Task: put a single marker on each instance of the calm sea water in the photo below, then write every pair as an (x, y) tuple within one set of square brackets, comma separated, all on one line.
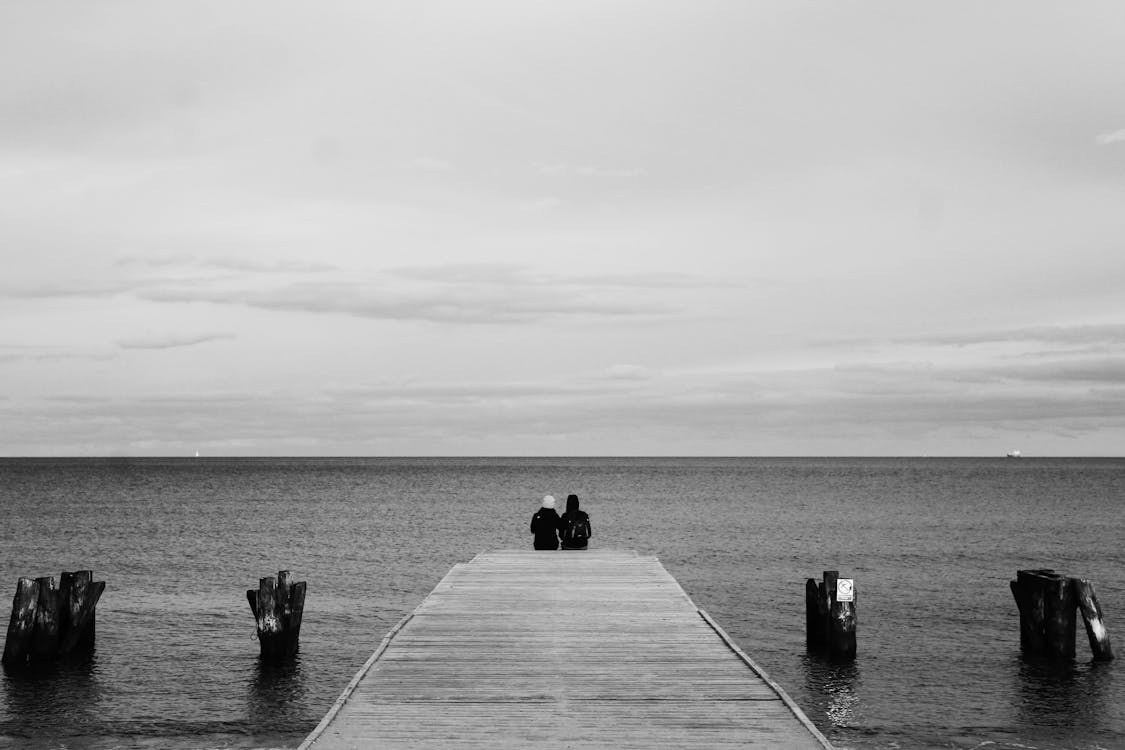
[(932, 544)]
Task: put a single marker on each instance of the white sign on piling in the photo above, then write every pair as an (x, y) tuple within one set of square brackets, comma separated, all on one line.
[(845, 590)]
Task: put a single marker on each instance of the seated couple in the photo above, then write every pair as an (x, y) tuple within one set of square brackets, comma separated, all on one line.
[(572, 529)]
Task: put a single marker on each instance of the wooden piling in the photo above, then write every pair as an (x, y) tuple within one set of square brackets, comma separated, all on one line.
[(1030, 641), (1028, 590), (79, 594), (814, 622), (278, 606), (45, 636), (294, 612), (51, 620), (841, 620), (827, 588), (1060, 617), (1092, 618), (17, 646), (1048, 604), (830, 622)]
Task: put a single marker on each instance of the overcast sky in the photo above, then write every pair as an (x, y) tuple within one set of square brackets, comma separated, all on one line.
[(562, 228)]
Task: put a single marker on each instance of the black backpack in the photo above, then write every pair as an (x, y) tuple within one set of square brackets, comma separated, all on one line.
[(575, 531)]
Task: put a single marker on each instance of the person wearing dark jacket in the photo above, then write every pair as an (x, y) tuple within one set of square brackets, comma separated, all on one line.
[(574, 526), (545, 525)]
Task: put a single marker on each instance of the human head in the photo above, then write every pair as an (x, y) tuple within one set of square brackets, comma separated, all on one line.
[(571, 503), (549, 501)]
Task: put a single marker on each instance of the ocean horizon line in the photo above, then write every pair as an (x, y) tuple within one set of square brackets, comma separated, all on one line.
[(452, 456)]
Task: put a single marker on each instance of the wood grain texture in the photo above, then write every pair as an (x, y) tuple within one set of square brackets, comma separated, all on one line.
[(588, 649)]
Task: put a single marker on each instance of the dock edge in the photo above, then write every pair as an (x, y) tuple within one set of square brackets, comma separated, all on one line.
[(784, 696), (314, 735)]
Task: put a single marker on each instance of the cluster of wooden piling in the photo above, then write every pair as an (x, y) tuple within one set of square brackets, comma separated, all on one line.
[(52, 620), (278, 605), (830, 615), (1048, 603)]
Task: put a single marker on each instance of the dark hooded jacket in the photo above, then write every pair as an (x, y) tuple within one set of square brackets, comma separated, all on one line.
[(579, 519), (545, 527)]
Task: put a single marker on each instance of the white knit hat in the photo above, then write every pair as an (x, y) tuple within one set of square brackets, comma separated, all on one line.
[(549, 501)]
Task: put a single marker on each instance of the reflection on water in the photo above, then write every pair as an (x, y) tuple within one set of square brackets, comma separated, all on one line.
[(1053, 693), (834, 687), (49, 698), (277, 694)]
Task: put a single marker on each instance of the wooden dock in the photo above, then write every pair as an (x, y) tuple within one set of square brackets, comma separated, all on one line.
[(584, 649)]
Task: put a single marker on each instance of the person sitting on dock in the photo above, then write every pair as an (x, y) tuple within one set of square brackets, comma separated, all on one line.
[(575, 530), (545, 525)]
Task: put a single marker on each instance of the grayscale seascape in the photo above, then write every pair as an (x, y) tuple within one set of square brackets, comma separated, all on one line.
[(881, 241), (931, 543)]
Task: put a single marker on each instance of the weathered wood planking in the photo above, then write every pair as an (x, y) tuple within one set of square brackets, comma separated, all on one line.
[(591, 649)]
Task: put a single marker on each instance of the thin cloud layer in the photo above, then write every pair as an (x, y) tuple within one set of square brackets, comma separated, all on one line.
[(1052, 335), (454, 293), (470, 305), (586, 170), (1117, 136), (459, 293), (172, 341), (517, 276), (246, 265), (53, 357), (672, 411)]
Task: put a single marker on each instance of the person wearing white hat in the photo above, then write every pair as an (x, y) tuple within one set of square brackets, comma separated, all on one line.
[(545, 525)]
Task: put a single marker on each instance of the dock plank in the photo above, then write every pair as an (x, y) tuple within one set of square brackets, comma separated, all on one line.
[(588, 649)]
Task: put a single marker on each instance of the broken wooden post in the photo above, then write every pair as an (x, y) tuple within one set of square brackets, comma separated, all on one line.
[(1028, 592), (1092, 617), (292, 601), (45, 636), (50, 620), (20, 627), (842, 619), (79, 594), (814, 621), (278, 605), (1048, 603), (1060, 617), (832, 627), (1046, 612)]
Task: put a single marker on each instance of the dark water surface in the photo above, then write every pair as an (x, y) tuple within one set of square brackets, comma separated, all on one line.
[(932, 544)]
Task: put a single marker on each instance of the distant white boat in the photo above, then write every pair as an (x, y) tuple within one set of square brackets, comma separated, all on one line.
[(1014, 454), (197, 454)]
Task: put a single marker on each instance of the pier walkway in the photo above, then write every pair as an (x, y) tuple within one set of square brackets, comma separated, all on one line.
[(586, 649)]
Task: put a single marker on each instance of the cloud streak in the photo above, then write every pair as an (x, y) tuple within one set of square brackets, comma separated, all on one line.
[(497, 293), (1071, 335), (69, 289), (1104, 334), (515, 275), (10, 356), (245, 265), (586, 170), (1117, 136), (471, 293), (172, 341), (465, 304)]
